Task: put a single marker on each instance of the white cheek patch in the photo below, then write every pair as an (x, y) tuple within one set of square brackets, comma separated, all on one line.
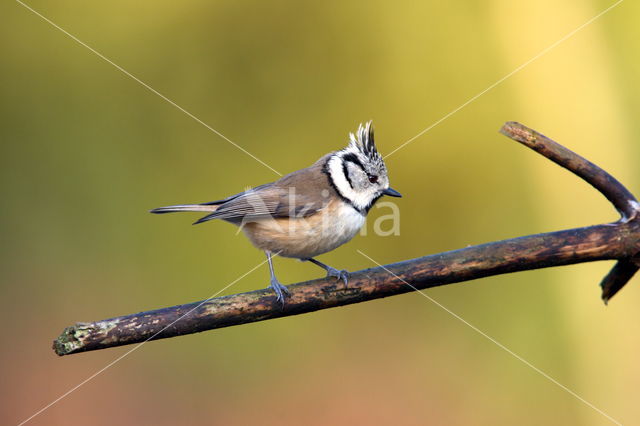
[(359, 200)]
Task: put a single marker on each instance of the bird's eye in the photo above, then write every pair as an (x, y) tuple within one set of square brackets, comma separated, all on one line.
[(373, 179)]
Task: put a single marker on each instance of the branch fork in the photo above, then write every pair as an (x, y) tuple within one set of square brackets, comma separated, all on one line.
[(618, 241)]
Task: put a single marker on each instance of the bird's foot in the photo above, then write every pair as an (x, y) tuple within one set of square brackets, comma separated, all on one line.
[(331, 272), (339, 274), (281, 291)]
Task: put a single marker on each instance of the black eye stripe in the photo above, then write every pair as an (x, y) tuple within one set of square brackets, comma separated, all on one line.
[(346, 174), (352, 158)]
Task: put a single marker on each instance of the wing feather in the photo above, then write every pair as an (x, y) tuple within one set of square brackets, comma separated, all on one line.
[(299, 194)]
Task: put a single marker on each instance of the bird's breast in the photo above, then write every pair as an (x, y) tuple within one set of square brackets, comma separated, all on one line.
[(329, 228)]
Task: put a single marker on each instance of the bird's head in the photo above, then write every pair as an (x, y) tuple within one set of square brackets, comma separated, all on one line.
[(358, 172)]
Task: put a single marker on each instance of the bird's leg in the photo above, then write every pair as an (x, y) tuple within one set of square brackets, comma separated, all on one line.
[(332, 272), (280, 289)]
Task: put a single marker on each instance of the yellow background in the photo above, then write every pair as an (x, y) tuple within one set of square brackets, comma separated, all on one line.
[(86, 151)]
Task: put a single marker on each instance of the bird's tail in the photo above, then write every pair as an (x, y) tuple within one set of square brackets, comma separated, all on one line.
[(186, 208)]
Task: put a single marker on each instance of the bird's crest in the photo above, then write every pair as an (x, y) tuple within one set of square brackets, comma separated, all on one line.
[(363, 141)]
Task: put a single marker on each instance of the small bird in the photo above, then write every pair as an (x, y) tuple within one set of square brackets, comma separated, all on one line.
[(310, 211)]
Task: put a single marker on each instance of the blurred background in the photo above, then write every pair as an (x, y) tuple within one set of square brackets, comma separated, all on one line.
[(87, 151)]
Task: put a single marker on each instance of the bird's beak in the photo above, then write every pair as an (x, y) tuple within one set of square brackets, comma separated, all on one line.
[(391, 192)]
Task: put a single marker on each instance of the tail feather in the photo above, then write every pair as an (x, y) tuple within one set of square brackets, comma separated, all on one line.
[(206, 218), (185, 208)]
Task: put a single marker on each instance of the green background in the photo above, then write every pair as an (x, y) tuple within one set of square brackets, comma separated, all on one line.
[(87, 150)]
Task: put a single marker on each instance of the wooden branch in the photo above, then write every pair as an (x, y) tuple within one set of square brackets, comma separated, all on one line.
[(615, 192), (619, 241)]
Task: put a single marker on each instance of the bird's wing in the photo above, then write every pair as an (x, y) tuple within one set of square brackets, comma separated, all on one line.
[(269, 202), (299, 194)]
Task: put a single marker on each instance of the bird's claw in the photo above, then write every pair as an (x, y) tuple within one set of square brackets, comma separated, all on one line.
[(281, 291), (338, 274)]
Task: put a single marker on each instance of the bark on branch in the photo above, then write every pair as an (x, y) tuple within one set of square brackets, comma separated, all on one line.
[(614, 241)]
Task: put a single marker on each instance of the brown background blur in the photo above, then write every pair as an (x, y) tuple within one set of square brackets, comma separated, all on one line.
[(86, 151)]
